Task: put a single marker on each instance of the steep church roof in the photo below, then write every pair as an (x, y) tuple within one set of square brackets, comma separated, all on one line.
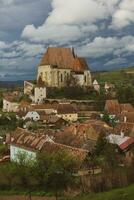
[(63, 58)]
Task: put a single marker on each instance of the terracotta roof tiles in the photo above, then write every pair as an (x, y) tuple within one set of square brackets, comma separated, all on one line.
[(40, 142), (112, 107), (63, 58)]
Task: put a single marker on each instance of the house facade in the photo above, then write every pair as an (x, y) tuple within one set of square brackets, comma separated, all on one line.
[(39, 94), (96, 86), (67, 112), (30, 144), (16, 151), (9, 106), (58, 64), (28, 87), (32, 115)]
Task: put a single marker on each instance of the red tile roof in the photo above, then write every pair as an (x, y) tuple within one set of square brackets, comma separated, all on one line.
[(126, 107), (40, 142), (127, 143), (63, 58), (125, 127), (129, 116), (112, 107), (65, 108)]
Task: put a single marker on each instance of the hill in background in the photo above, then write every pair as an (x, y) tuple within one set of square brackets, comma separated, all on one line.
[(117, 77)]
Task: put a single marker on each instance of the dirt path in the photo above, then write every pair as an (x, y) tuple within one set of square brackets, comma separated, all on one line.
[(25, 198)]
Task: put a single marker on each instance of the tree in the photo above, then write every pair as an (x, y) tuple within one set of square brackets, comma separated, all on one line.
[(107, 153), (56, 171), (110, 119), (125, 94), (24, 172)]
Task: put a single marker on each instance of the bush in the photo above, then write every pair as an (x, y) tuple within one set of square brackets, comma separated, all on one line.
[(3, 150)]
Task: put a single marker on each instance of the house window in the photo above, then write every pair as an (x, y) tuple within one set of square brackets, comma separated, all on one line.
[(61, 78), (85, 79)]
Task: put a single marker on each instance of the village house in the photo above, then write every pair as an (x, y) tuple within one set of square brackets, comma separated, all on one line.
[(48, 113), (9, 105), (59, 64), (125, 144), (96, 86), (113, 107), (46, 108), (108, 87), (61, 110), (28, 88), (127, 128), (82, 135), (127, 117), (30, 144), (32, 115), (50, 120), (24, 106), (36, 92), (40, 94), (53, 121), (67, 112)]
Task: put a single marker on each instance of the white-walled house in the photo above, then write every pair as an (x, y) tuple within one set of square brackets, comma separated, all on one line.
[(16, 152), (27, 144), (39, 94), (96, 86), (32, 115), (28, 88), (30, 144), (9, 106)]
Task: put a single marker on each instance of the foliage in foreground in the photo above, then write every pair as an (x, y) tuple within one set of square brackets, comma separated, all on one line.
[(126, 193), (52, 173)]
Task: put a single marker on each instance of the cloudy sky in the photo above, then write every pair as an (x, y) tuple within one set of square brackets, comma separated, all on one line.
[(102, 31)]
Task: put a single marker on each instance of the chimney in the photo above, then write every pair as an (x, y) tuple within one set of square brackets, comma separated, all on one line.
[(122, 133), (125, 119)]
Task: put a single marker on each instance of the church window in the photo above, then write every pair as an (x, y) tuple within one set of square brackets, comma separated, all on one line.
[(61, 78), (85, 79)]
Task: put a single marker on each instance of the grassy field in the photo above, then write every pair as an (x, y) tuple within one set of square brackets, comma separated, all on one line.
[(126, 193), (116, 77)]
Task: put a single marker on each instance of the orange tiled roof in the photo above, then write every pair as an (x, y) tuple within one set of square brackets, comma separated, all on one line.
[(65, 108), (129, 116), (90, 130), (126, 127), (9, 97), (63, 58), (127, 107), (42, 106), (39, 142), (112, 107)]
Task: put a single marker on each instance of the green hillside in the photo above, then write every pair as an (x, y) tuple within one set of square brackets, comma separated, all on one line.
[(116, 77), (117, 194)]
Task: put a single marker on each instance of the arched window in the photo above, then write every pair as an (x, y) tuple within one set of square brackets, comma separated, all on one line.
[(85, 79), (61, 78)]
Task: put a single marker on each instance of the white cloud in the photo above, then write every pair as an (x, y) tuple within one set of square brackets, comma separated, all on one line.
[(124, 15), (20, 49), (29, 49), (102, 46), (3, 45), (6, 2), (116, 61), (71, 20)]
